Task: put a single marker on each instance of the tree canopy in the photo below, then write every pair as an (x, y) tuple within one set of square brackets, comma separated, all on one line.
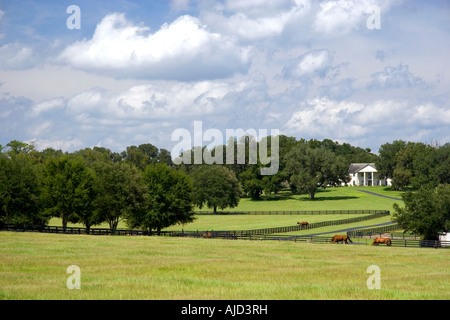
[(169, 199), (310, 169), (216, 187), (144, 188), (426, 211)]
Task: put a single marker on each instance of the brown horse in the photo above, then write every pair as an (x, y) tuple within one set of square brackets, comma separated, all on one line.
[(303, 224), (207, 235), (340, 238), (377, 241)]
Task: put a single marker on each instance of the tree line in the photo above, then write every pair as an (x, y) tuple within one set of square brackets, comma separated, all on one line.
[(144, 188)]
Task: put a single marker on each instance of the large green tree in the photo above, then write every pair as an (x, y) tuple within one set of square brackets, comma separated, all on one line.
[(387, 162), (215, 187), (169, 199), (440, 159), (252, 182), (19, 190), (68, 190), (426, 211), (310, 169), (120, 192)]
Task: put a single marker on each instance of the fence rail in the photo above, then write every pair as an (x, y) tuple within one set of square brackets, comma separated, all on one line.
[(70, 230), (409, 243), (414, 243), (228, 233), (368, 232), (314, 212), (246, 233)]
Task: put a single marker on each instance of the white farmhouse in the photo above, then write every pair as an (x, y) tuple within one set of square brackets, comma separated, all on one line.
[(365, 174)]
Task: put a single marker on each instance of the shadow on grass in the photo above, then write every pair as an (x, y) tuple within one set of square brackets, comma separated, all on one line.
[(403, 190), (303, 197), (274, 197), (317, 199)]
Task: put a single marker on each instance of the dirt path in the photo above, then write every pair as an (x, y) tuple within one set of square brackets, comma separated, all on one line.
[(379, 195)]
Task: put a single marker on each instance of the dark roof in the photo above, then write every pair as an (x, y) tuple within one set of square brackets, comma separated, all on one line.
[(355, 167)]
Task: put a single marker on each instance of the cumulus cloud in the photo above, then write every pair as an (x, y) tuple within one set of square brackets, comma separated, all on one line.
[(182, 50), (350, 121), (15, 56), (258, 19), (48, 105), (343, 16), (324, 117), (395, 77), (57, 144), (316, 62)]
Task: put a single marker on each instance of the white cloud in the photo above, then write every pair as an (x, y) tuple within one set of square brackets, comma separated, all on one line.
[(312, 62), (58, 144), (395, 77), (343, 16), (48, 105), (92, 101), (323, 117), (258, 19), (182, 50), (347, 120), (15, 55)]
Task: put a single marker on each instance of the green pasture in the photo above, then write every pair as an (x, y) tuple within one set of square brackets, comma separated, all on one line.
[(341, 198), (361, 224), (248, 222), (34, 266)]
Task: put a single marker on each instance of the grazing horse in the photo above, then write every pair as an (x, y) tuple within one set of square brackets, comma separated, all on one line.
[(340, 238), (303, 224), (207, 235), (377, 241)]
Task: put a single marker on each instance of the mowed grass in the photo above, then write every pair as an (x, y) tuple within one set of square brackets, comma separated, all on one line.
[(249, 222), (33, 266), (339, 198)]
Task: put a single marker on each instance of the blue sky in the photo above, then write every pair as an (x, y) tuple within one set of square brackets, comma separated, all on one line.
[(136, 71)]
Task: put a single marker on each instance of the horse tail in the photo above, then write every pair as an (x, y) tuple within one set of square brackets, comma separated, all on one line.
[(349, 239)]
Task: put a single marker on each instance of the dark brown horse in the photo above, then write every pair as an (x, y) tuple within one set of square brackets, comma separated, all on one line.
[(377, 241), (340, 238), (303, 224)]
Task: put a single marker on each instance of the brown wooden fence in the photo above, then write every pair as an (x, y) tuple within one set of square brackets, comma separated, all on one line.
[(371, 214), (293, 212), (286, 229)]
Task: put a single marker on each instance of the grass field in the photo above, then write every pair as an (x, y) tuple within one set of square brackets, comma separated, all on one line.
[(33, 266), (342, 198), (247, 222)]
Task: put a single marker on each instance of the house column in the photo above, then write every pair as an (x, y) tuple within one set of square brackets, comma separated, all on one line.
[(364, 181)]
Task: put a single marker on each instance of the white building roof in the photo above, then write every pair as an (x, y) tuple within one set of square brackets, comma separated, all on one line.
[(362, 167)]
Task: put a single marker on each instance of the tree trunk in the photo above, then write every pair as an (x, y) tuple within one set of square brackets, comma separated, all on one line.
[(64, 222)]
